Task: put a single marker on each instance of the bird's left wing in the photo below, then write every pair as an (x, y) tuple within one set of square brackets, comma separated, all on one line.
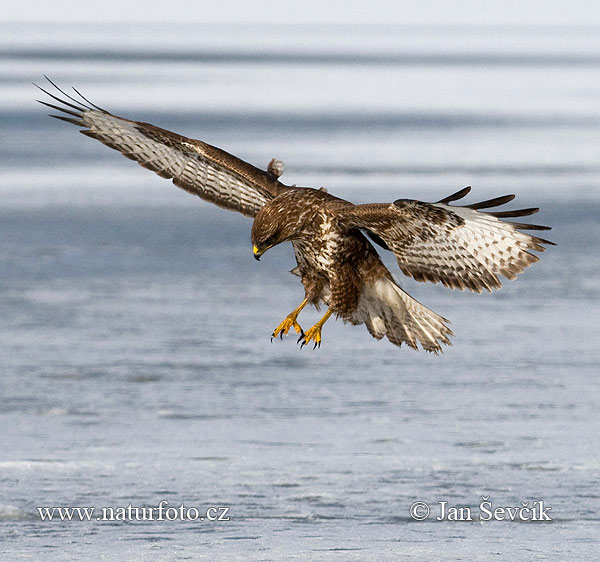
[(461, 247), (193, 165)]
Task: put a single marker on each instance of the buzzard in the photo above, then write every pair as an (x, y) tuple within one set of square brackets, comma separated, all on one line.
[(462, 247)]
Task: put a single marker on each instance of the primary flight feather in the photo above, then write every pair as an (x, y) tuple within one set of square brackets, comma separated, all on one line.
[(464, 247)]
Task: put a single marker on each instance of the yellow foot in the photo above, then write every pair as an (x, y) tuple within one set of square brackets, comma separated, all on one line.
[(285, 326), (290, 320), (314, 334)]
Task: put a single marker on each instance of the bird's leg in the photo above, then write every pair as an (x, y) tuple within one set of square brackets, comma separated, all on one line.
[(314, 334), (290, 320)]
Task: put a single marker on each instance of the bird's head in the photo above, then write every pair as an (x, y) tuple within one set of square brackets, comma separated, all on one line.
[(271, 227)]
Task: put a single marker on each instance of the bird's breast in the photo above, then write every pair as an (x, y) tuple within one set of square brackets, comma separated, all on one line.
[(321, 245)]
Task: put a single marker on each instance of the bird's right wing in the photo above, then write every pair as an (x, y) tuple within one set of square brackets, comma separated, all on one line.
[(193, 165)]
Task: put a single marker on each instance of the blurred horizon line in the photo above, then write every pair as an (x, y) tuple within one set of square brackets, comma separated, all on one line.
[(313, 26)]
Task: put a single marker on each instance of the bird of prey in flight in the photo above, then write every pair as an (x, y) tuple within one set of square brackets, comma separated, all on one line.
[(460, 246)]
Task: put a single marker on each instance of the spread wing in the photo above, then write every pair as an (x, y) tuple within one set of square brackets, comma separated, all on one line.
[(193, 165), (459, 246)]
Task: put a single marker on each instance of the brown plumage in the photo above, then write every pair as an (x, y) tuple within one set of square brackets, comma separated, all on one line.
[(464, 247)]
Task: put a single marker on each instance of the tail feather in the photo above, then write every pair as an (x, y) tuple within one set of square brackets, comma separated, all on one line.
[(389, 311)]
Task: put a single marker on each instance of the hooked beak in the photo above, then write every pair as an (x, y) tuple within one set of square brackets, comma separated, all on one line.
[(257, 253)]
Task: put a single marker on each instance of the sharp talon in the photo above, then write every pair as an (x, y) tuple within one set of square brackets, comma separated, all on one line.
[(288, 322), (313, 334)]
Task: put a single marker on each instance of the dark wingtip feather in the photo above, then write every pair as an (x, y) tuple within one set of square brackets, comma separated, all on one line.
[(456, 196), (77, 122), (88, 101), (537, 240), (514, 213), (544, 241), (67, 95), (63, 109), (78, 107), (534, 239), (495, 202), (523, 226)]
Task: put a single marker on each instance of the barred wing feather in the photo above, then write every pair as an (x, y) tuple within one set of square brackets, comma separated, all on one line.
[(193, 165), (459, 246)]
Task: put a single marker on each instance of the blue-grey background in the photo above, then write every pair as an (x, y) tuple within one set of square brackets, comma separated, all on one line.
[(136, 364)]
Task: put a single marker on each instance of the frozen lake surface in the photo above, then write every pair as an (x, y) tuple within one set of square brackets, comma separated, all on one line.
[(136, 361)]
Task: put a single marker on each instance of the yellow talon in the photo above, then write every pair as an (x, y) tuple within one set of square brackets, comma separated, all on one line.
[(289, 321), (314, 334), (285, 326)]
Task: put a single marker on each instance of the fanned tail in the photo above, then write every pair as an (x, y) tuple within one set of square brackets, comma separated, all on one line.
[(389, 311)]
